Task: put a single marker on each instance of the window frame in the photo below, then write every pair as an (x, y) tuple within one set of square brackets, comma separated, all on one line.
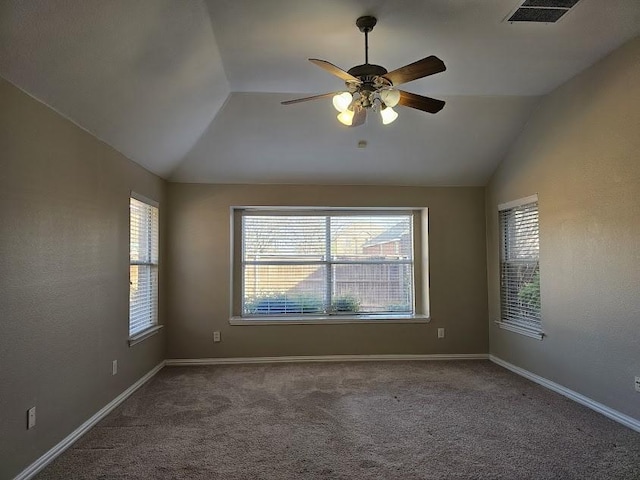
[(153, 301), (420, 268), (517, 325)]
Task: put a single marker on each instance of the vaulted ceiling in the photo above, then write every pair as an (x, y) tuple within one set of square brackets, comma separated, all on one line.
[(191, 89)]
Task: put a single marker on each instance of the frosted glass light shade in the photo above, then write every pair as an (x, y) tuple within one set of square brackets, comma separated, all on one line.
[(341, 101), (388, 115), (390, 97), (346, 117)]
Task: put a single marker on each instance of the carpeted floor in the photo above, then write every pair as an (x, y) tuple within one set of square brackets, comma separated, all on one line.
[(351, 421)]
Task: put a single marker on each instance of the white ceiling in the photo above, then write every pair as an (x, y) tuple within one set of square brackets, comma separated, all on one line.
[(265, 45), (304, 144), (151, 77), (145, 76)]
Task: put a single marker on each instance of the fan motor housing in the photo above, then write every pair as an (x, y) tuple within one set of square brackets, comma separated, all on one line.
[(367, 70)]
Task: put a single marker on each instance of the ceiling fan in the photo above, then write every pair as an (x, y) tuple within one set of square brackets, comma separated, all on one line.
[(373, 87)]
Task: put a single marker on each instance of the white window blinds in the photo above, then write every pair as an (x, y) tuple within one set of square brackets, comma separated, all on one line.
[(519, 267), (326, 262), (143, 266)]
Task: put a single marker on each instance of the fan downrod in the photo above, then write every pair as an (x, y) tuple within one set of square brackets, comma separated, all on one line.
[(367, 71)]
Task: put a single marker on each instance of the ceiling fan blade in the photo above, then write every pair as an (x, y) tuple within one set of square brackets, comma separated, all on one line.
[(359, 117), (332, 69), (426, 104), (413, 71), (306, 99)]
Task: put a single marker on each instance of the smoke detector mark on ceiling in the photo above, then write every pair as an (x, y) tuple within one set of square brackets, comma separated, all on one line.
[(541, 11)]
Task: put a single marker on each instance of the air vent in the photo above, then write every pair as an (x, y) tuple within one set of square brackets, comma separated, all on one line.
[(542, 11), (540, 15), (566, 4)]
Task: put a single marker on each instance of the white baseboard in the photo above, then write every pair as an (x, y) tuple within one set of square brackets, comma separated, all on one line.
[(66, 442), (323, 358), (619, 417)]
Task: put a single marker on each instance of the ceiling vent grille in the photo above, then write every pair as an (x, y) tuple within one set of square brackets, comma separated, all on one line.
[(541, 11)]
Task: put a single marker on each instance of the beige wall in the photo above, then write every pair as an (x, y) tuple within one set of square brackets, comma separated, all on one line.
[(64, 220), (199, 270), (581, 153)]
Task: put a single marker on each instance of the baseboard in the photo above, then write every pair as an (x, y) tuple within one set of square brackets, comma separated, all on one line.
[(48, 457), (619, 417), (323, 358)]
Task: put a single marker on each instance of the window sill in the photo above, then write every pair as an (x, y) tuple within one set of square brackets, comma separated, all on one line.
[(329, 320), (527, 332), (142, 336)]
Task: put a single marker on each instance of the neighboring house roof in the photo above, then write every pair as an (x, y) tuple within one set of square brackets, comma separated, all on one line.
[(393, 234)]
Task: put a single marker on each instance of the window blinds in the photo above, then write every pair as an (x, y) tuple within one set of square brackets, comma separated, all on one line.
[(520, 274), (302, 262), (143, 266)]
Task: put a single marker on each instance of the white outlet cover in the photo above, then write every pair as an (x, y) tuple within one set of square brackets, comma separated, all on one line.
[(114, 367), (637, 384), (31, 418)]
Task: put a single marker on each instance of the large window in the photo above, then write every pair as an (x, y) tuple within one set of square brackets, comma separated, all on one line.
[(309, 262), (519, 267), (143, 265)]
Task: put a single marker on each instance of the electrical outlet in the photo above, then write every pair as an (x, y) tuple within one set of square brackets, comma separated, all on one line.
[(216, 337), (31, 418), (637, 384), (441, 333), (114, 367)]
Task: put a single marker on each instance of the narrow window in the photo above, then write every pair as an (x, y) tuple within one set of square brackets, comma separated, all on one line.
[(143, 265), (519, 267), (302, 262)]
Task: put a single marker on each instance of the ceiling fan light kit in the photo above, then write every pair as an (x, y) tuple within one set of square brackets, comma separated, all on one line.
[(388, 115), (346, 117), (390, 97), (372, 87), (342, 101)]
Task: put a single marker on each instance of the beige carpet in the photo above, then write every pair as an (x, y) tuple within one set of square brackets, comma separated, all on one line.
[(351, 421)]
